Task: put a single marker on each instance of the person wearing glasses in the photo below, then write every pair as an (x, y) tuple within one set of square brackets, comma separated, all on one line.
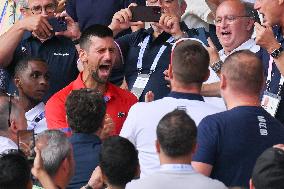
[(32, 81), (12, 119), (33, 36), (234, 27), (146, 53), (189, 69)]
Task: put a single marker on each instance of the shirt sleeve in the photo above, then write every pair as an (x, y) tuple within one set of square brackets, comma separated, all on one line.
[(71, 9), (207, 141), (129, 126)]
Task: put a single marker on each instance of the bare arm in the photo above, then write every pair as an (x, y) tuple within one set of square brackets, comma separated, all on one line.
[(211, 90), (202, 168), (11, 39)]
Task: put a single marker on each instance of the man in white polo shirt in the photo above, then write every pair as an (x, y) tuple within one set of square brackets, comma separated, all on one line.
[(234, 26), (189, 69)]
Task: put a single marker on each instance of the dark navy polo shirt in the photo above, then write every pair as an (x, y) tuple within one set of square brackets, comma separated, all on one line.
[(59, 53), (89, 12), (188, 96), (86, 149), (130, 46), (231, 141), (275, 73)]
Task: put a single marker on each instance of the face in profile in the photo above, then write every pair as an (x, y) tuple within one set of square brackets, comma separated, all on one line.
[(100, 58), (33, 82)]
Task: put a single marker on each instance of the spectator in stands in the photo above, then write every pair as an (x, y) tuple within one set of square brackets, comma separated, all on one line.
[(268, 171), (118, 164), (146, 53), (85, 109), (176, 142), (234, 26), (32, 81), (189, 69), (12, 119), (272, 54), (57, 155), (97, 54), (33, 36), (241, 133)]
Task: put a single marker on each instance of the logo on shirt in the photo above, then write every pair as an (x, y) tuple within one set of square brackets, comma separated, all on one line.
[(61, 54), (262, 125)]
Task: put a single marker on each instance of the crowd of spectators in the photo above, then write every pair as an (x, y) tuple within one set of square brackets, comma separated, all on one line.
[(191, 100)]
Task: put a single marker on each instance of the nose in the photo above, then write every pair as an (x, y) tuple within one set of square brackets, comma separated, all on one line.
[(43, 11), (44, 81), (109, 55)]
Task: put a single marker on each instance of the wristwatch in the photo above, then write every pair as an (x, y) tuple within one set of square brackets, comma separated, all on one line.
[(276, 53), (216, 67)]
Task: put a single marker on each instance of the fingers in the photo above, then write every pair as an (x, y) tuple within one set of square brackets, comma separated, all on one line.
[(149, 96), (210, 43), (123, 16)]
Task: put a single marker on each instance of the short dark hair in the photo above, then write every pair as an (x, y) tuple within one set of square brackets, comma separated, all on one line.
[(190, 61), (23, 62), (245, 72), (15, 172), (95, 30), (118, 160), (176, 133), (4, 110), (85, 110)]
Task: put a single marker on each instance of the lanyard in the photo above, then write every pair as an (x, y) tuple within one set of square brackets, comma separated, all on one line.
[(3, 11), (176, 167), (158, 56), (269, 77)]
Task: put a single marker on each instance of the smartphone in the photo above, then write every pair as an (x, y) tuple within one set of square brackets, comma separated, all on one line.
[(58, 24), (26, 143), (145, 13)]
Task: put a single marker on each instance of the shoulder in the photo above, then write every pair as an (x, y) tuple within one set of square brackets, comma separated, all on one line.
[(122, 94)]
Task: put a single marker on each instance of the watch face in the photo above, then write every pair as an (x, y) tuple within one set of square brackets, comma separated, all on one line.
[(276, 53)]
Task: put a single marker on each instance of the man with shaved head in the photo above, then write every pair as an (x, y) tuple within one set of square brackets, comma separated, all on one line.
[(230, 142)]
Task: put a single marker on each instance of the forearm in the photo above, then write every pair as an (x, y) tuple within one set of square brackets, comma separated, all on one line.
[(211, 90), (9, 42), (45, 180)]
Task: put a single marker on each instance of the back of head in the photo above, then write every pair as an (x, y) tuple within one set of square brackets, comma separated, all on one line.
[(85, 109), (95, 30), (190, 61), (9, 110), (15, 172), (55, 147), (118, 160), (176, 133), (244, 72), (268, 171)]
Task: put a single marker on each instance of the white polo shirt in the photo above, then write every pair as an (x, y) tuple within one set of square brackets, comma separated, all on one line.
[(143, 118), (217, 101), (36, 118), (7, 144)]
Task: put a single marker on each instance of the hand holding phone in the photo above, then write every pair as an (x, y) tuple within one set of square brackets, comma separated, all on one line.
[(145, 13), (26, 143), (58, 24)]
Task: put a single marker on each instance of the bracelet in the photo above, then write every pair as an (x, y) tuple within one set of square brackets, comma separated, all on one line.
[(88, 187), (216, 67)]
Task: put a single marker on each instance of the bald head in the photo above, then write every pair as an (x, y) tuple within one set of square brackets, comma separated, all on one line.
[(244, 73)]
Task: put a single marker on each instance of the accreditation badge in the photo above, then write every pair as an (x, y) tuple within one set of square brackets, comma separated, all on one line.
[(270, 102), (140, 84)]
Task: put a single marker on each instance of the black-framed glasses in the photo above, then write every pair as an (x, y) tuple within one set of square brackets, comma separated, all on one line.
[(229, 19), (50, 8)]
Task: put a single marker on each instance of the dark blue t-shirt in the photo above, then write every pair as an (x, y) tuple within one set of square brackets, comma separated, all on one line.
[(231, 141), (130, 46), (274, 84), (86, 149)]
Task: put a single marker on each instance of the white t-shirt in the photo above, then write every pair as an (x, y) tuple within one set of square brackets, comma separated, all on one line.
[(7, 144), (36, 118), (143, 118)]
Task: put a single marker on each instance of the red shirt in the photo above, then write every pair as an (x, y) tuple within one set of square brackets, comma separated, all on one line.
[(118, 104)]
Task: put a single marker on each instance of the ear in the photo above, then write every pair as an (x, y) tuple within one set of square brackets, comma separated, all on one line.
[(158, 147), (170, 70), (250, 24), (207, 75), (194, 148), (183, 7), (13, 127), (24, 11), (83, 56), (251, 186), (17, 82), (223, 82)]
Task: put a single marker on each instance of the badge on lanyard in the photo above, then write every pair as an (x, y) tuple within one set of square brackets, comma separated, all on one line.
[(270, 102), (140, 84)]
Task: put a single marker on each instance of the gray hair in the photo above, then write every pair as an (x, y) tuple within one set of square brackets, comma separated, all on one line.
[(55, 149)]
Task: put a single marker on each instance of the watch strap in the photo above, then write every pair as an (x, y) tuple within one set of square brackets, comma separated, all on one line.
[(216, 67), (276, 53)]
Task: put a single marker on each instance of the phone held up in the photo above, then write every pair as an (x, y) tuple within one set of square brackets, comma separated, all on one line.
[(58, 24), (145, 13), (26, 143)]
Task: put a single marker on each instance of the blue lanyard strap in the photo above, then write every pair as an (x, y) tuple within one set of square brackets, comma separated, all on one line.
[(158, 56), (3, 11)]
